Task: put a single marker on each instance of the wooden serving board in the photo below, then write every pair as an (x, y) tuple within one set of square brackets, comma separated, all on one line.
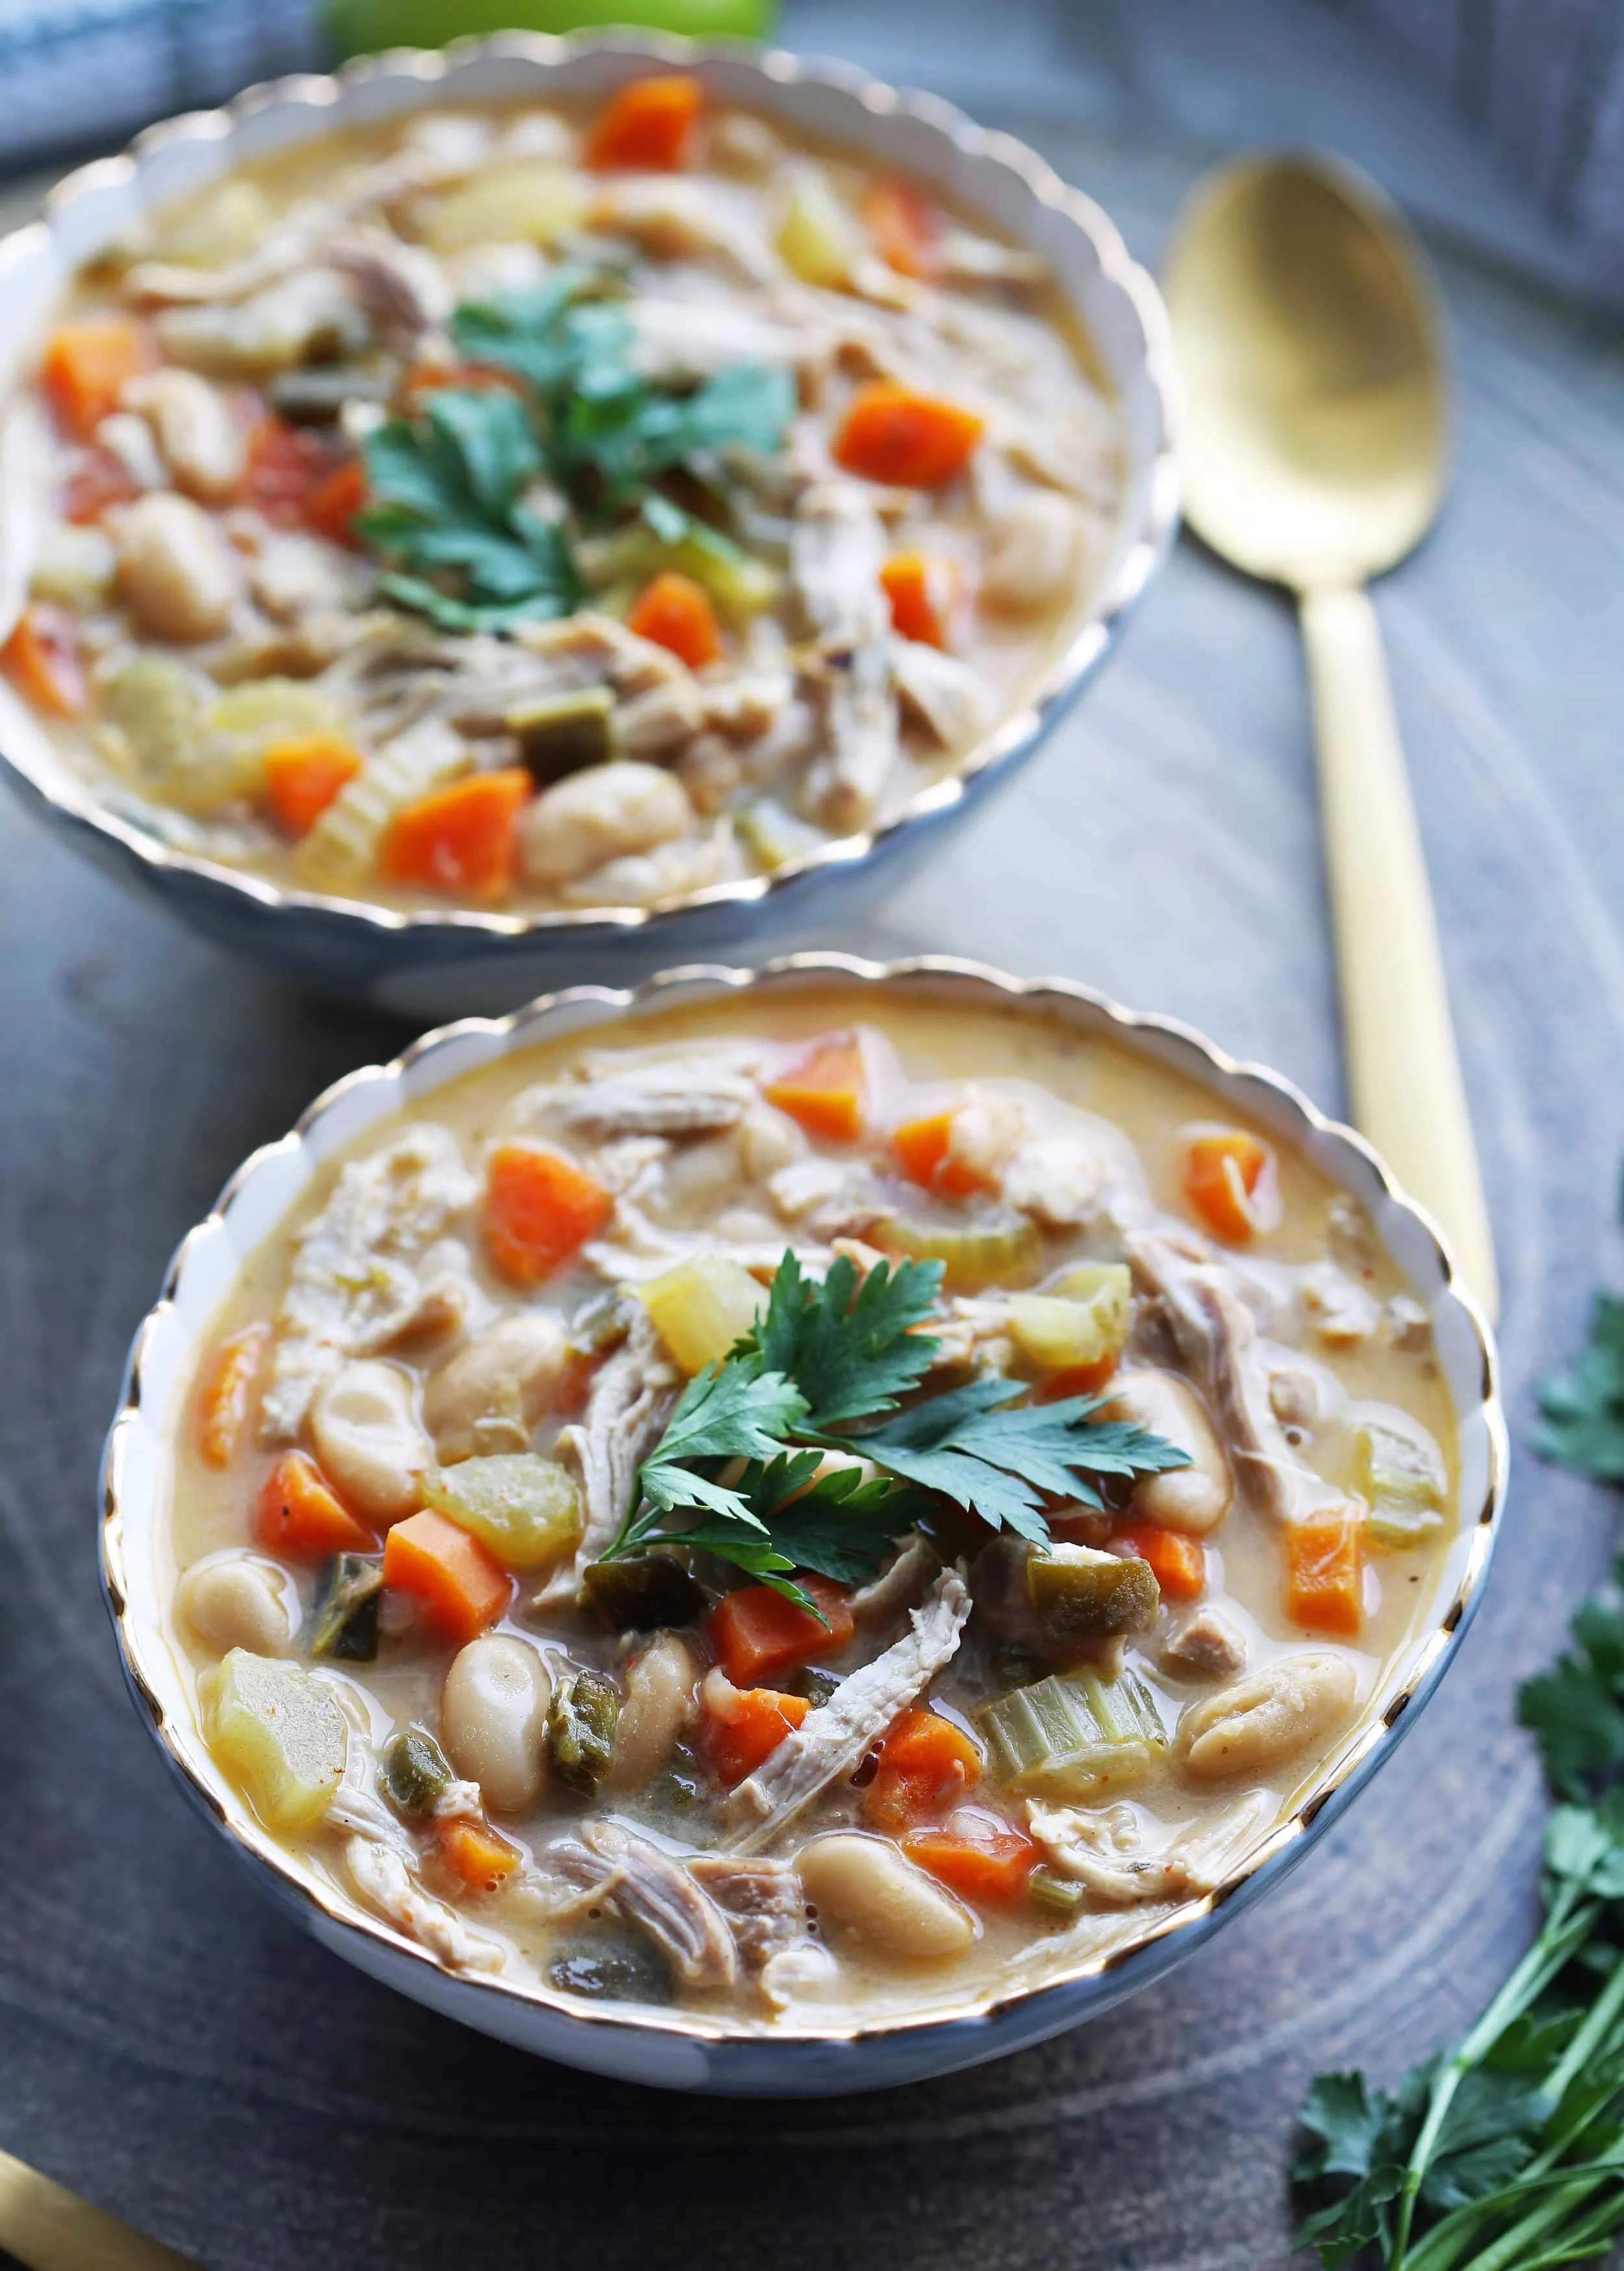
[(173, 2049)]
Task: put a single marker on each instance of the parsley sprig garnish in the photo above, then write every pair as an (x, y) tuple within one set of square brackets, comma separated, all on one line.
[(448, 512), (1507, 2153), (736, 1471)]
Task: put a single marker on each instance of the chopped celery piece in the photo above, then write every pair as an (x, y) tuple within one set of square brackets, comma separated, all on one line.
[(526, 1508), (262, 710), (643, 1591), (158, 708), (1074, 1733), (816, 236), (772, 835), (1063, 1896), (341, 850), (581, 1722), (278, 1732), (666, 538), (1078, 1595), (998, 1247), (345, 1624), (702, 1307), (522, 204), (230, 221), (416, 1773), (1081, 1320), (1404, 1479)]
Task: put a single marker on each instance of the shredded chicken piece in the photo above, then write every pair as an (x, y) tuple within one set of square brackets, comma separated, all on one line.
[(1105, 1851), (1216, 1339), (836, 554), (664, 1101), (898, 1584), (356, 1282), (760, 1898), (831, 1741), (624, 1413), (381, 1874), (1204, 1640), (400, 285), (681, 341), (657, 1894), (676, 219), (943, 694)]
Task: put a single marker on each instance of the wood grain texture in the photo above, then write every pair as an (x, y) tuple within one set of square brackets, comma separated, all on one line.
[(170, 2047)]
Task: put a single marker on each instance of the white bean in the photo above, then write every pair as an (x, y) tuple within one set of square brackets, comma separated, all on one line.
[(658, 1690), (200, 440), (866, 1886), (1034, 555), (1196, 1498), (489, 1396), (600, 814), (1265, 1720), (493, 1720), (232, 1601), (176, 575), (369, 1441)]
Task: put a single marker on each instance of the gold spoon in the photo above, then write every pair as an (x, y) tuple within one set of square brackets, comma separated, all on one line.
[(1316, 448), (50, 2228)]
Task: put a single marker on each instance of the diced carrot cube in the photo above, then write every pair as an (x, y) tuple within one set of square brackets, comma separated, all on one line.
[(902, 228), (1325, 1570), (758, 1636), (331, 505), (1179, 1561), (460, 838), (906, 440), (649, 126), (735, 1744), (676, 613), (977, 1854), (1221, 1171), (926, 1765), (479, 1857), (1075, 1380), (302, 776), (824, 1091), (299, 1515), (924, 1152), (282, 468), (87, 365), (227, 1394), (41, 659), (464, 1587), (540, 1209), (925, 590)]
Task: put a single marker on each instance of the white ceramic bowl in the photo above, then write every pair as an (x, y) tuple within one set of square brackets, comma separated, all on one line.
[(441, 963), (673, 2049)]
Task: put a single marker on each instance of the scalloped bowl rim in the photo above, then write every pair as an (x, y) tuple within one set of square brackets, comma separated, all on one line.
[(930, 2039), (420, 78)]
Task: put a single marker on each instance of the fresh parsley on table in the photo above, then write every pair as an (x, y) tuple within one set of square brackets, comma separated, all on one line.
[(825, 1370), (1507, 2153)]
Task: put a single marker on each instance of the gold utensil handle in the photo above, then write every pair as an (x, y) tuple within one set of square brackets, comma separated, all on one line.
[(50, 2228), (1404, 1072)]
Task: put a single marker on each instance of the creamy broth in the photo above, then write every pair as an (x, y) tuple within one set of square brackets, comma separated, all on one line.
[(643, 1883), (855, 479)]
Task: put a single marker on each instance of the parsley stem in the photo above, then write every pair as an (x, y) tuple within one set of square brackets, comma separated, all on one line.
[(1509, 2252), (1565, 1930)]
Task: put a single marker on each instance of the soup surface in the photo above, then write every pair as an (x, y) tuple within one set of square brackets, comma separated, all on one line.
[(802, 1511), (532, 510)]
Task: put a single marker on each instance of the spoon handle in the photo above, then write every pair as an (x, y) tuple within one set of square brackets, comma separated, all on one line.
[(50, 2228), (1403, 1069)]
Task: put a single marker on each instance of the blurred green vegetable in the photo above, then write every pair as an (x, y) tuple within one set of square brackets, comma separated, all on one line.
[(360, 27)]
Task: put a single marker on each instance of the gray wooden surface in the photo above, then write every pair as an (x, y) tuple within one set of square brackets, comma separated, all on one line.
[(172, 2048)]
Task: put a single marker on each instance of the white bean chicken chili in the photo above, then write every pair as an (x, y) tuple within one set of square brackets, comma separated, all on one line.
[(802, 1511), (521, 508)]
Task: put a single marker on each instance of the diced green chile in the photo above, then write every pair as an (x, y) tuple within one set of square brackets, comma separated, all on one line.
[(643, 1591), (581, 1720), (316, 394), (1080, 1595), (1047, 1888), (345, 1621), (817, 1685), (416, 1772), (611, 1969), (564, 733)]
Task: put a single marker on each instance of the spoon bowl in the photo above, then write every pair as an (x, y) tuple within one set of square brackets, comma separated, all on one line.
[(1317, 434), (1316, 451)]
